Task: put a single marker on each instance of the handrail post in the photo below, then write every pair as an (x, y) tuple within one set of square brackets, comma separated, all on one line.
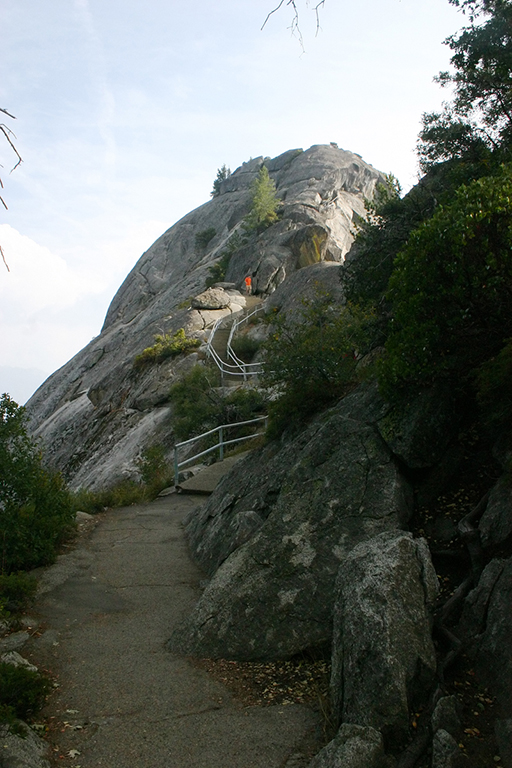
[(221, 445), (176, 468)]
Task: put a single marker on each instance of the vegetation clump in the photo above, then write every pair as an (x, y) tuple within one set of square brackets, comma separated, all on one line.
[(166, 345), (35, 506), (203, 238), (222, 174), (312, 363), (199, 404), (23, 693), (451, 288), (265, 203)]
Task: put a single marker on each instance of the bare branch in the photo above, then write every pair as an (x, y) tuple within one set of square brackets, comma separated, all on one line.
[(295, 23), (8, 133), (3, 257), (270, 14), (294, 26), (317, 14)]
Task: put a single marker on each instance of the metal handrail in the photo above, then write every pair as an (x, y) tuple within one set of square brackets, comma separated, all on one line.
[(239, 368), (219, 446), (229, 350)]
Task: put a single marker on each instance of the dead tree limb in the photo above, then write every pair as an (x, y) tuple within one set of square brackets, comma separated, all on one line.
[(6, 132), (295, 24)]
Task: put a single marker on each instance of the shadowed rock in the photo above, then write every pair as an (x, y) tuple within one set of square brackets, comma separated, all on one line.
[(300, 511), (383, 655)]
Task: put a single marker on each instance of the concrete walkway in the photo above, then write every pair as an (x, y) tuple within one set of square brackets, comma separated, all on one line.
[(205, 482), (106, 610)]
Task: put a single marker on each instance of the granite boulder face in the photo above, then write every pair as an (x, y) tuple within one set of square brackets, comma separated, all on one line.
[(96, 414), (274, 532), (386, 590)]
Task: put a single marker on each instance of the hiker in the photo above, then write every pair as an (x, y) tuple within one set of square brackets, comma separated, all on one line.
[(248, 285)]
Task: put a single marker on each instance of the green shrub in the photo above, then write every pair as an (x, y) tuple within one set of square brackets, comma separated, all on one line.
[(222, 174), (199, 405), (494, 387), (165, 346), (310, 364), (155, 470), (35, 506), (195, 402), (245, 347), (23, 693), (16, 591), (203, 238), (450, 290)]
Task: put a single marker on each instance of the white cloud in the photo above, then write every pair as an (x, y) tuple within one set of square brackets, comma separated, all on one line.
[(37, 277), (49, 311)]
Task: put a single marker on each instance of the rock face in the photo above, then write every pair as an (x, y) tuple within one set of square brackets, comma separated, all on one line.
[(96, 414), (275, 532), (353, 747), (486, 626), (386, 589)]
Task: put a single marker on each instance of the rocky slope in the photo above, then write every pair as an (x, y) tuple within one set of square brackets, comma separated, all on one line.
[(96, 414), (376, 537)]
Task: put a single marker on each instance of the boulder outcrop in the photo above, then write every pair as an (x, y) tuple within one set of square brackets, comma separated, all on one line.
[(96, 414), (274, 533), (386, 590)]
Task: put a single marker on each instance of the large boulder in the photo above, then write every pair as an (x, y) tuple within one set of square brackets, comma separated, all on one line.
[(383, 657), (276, 530), (353, 747), (486, 627), (212, 298), (496, 523)]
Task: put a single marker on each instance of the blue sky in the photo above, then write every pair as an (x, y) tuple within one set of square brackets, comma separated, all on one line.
[(125, 110)]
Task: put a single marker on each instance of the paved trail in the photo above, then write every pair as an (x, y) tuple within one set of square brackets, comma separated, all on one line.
[(124, 701)]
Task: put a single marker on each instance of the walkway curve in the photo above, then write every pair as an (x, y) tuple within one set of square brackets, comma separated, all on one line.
[(106, 610)]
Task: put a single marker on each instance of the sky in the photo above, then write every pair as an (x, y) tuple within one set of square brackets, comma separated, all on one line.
[(125, 109)]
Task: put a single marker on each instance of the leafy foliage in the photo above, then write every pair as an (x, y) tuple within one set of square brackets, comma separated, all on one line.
[(245, 347), (165, 346), (477, 123), (154, 469), (199, 404), (451, 288), (203, 238), (494, 387), (312, 363), (22, 693), (265, 203), (16, 590), (35, 506), (222, 174)]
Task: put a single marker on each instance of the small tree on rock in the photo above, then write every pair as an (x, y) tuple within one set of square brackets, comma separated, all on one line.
[(265, 202), (222, 174)]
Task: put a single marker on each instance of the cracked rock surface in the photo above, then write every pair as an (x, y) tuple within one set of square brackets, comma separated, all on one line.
[(274, 532), (96, 414)]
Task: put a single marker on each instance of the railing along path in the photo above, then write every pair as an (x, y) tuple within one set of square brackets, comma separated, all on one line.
[(237, 367), (218, 447)]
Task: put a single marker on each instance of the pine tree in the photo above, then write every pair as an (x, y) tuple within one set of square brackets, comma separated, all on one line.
[(265, 202)]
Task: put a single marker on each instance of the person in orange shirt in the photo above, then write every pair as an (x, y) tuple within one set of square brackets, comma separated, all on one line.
[(248, 285)]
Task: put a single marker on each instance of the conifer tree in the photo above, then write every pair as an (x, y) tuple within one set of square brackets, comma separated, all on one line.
[(265, 202)]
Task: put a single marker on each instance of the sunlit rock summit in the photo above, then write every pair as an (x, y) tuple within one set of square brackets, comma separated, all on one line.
[(97, 413)]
